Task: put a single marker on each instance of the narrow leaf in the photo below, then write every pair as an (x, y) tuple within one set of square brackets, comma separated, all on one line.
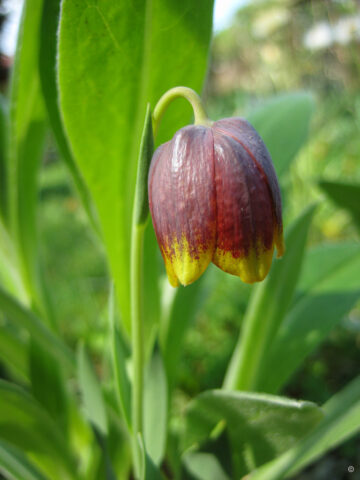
[(24, 318), (25, 424), (26, 132), (91, 391), (180, 308), (141, 202), (306, 326), (16, 465), (149, 469), (266, 310), (119, 356), (155, 408)]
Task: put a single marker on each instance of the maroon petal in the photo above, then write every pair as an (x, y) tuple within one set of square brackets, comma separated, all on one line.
[(182, 203), (245, 218), (242, 132)]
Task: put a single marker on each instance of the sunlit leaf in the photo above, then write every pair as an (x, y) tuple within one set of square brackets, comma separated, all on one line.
[(111, 63), (48, 81)]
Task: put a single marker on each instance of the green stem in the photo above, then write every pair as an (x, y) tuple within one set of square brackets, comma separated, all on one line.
[(200, 117), (137, 338)]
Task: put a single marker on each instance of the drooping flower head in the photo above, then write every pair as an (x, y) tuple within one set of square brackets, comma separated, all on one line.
[(214, 197)]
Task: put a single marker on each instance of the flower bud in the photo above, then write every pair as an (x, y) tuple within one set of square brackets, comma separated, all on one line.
[(214, 197)]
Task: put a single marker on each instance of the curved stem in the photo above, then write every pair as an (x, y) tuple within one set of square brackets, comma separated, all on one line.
[(137, 339), (191, 96)]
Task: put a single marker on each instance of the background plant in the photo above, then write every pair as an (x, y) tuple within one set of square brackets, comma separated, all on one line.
[(65, 331)]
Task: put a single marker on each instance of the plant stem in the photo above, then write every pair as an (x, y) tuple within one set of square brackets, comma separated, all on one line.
[(191, 96), (137, 240)]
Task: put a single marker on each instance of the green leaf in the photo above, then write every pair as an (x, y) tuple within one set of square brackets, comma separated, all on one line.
[(204, 466), (149, 469), (260, 426), (10, 277), (331, 267), (329, 287), (345, 195), (341, 421), (24, 318), (111, 64), (180, 308), (3, 172), (266, 310), (48, 383), (25, 424), (155, 408), (120, 353), (283, 123), (91, 391), (305, 327), (141, 202), (15, 464), (26, 132), (14, 352), (47, 68)]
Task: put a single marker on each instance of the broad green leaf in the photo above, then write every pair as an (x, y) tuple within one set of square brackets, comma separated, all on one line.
[(25, 424), (47, 68), (155, 408), (24, 318), (149, 471), (119, 355), (283, 123), (304, 328), (341, 421), (112, 62), (26, 138), (266, 310), (16, 465), (204, 466), (345, 195), (264, 425), (331, 267), (90, 389)]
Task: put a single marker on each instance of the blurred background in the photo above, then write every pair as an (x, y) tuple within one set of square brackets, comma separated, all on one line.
[(260, 49)]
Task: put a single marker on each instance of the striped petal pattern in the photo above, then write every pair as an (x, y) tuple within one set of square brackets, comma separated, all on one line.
[(214, 196)]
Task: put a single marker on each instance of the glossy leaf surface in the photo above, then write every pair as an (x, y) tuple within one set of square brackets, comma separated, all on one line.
[(104, 91), (264, 424)]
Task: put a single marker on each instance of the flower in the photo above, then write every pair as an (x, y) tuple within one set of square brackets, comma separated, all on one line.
[(214, 197)]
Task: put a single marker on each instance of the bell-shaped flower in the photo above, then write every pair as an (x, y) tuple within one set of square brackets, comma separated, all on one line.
[(214, 197)]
